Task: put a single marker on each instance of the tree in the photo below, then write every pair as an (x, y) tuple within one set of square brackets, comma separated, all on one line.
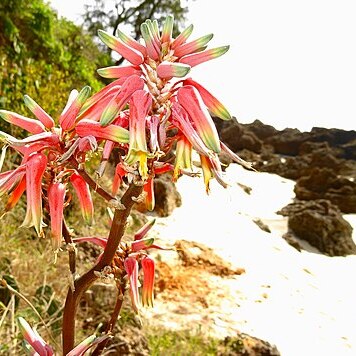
[(133, 13)]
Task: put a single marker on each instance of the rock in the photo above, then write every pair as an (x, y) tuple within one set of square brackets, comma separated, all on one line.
[(321, 224), (237, 137), (261, 130), (247, 345), (287, 141), (262, 225), (167, 196), (194, 254), (323, 183), (289, 237)]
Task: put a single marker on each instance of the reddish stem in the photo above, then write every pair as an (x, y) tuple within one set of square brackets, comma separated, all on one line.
[(83, 283), (110, 327)]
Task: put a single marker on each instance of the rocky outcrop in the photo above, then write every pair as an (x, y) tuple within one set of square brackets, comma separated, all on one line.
[(321, 223), (246, 345), (324, 183), (323, 164)]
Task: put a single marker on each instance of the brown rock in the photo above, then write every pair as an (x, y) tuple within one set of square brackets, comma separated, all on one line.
[(321, 224)]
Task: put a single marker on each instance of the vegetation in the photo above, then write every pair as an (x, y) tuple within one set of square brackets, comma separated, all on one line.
[(43, 56), (132, 13)]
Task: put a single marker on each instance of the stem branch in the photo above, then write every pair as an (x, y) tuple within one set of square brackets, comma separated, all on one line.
[(83, 283)]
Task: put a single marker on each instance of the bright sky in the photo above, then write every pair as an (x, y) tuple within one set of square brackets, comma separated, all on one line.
[(291, 63)]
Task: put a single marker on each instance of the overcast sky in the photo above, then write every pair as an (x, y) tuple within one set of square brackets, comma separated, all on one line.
[(290, 64)]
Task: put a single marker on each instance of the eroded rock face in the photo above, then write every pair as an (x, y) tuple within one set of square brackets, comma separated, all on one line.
[(324, 183), (321, 223)]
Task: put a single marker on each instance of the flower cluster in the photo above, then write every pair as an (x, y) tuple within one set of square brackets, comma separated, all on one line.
[(149, 113), (36, 346), (146, 112), (131, 258), (44, 170)]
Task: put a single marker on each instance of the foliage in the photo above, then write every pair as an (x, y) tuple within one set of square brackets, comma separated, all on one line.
[(43, 56)]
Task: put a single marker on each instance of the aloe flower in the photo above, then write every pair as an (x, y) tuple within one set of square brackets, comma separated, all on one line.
[(131, 267), (38, 347), (56, 199), (165, 109), (83, 193), (133, 257), (148, 267), (45, 168), (31, 336), (35, 168)]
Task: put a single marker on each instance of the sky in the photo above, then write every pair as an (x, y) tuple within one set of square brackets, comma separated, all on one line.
[(290, 64)]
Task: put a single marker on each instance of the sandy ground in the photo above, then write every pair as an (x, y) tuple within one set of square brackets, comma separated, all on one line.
[(303, 302)]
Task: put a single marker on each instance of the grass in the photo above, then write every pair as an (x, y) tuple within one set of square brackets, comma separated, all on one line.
[(180, 343)]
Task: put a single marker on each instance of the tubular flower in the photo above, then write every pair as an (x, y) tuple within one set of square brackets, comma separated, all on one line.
[(34, 339), (41, 348), (83, 193), (148, 188), (191, 101), (148, 267), (35, 168), (214, 105), (131, 267), (46, 154), (183, 156), (140, 104), (56, 198), (164, 112)]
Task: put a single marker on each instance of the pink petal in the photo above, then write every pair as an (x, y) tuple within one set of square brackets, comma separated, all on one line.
[(214, 105), (100, 241), (181, 120), (68, 117), (130, 41), (182, 37), (148, 188), (34, 339), (56, 198), (201, 57), (144, 230), (35, 168), (83, 193), (129, 53), (192, 102), (30, 125), (131, 267), (16, 194), (119, 71), (111, 132), (193, 46), (39, 112), (148, 267), (142, 244), (129, 87), (167, 29), (152, 45), (171, 69)]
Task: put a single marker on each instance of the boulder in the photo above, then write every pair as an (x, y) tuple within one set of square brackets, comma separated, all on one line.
[(321, 224), (167, 196), (324, 183)]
